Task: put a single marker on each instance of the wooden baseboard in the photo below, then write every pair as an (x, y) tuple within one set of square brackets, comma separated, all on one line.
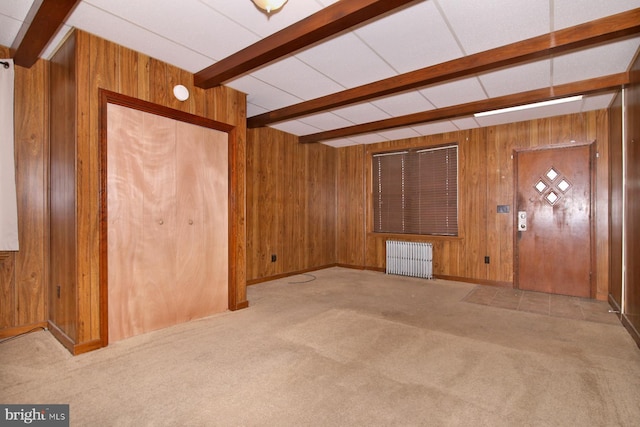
[(475, 281), (19, 330), (240, 306), (631, 329), (435, 276), (70, 345), (63, 338), (353, 267), (86, 347), (615, 306), (292, 273)]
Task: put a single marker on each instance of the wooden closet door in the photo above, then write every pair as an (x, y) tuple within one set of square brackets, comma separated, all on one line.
[(158, 268), (202, 217), (141, 201), (125, 175), (167, 201)]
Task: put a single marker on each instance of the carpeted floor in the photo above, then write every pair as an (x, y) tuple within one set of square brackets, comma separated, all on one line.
[(348, 348)]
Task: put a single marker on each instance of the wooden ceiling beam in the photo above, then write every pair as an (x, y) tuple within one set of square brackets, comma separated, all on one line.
[(557, 42), (329, 21), (50, 16), (584, 87)]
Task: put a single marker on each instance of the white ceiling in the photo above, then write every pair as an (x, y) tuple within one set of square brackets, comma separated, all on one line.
[(193, 34)]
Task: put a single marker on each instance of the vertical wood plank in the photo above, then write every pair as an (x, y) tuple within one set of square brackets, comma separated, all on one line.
[(63, 187), (31, 145), (350, 182), (602, 218), (144, 80), (128, 68), (7, 292)]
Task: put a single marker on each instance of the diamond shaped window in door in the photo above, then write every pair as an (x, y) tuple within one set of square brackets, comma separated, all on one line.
[(552, 174), (541, 186), (564, 185), (552, 197)]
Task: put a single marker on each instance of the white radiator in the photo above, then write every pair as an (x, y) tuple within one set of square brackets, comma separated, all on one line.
[(413, 259)]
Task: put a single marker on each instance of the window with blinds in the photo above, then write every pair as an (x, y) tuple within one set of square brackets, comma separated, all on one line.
[(416, 191)]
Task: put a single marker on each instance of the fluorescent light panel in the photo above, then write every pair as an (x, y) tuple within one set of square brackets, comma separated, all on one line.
[(527, 106)]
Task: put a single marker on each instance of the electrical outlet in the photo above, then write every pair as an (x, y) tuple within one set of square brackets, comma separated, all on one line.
[(486, 260), (274, 258)]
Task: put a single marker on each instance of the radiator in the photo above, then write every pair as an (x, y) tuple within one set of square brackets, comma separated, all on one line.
[(413, 259)]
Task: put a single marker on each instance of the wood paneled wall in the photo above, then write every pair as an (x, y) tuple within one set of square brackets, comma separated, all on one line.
[(100, 64), (616, 206), (631, 312), (485, 181), (23, 274), (291, 205), (351, 202)]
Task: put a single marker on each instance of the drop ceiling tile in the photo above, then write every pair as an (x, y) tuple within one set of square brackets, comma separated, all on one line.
[(254, 110), (400, 133), (369, 138), (16, 9), (598, 102), (520, 78), (435, 128), (189, 23), (325, 121), (338, 143), (454, 93), (484, 24), (602, 60), (117, 30), (9, 28), (295, 127), (326, 3), (361, 113), (567, 13), (411, 38), (465, 123), (262, 94), (347, 60), (403, 104), (246, 14), (298, 78)]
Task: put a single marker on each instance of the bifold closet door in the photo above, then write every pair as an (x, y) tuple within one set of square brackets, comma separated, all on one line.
[(202, 222), (167, 208)]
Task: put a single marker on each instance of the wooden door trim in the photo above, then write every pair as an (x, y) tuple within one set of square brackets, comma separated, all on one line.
[(108, 97), (592, 221)]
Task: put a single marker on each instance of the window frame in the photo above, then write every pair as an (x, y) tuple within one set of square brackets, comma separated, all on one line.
[(411, 155)]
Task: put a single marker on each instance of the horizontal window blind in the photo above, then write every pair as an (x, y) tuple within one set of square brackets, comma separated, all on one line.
[(416, 192)]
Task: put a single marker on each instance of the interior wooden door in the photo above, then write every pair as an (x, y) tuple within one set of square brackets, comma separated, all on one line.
[(167, 225), (553, 220)]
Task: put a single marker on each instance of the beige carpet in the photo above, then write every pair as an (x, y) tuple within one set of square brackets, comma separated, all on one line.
[(349, 348)]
